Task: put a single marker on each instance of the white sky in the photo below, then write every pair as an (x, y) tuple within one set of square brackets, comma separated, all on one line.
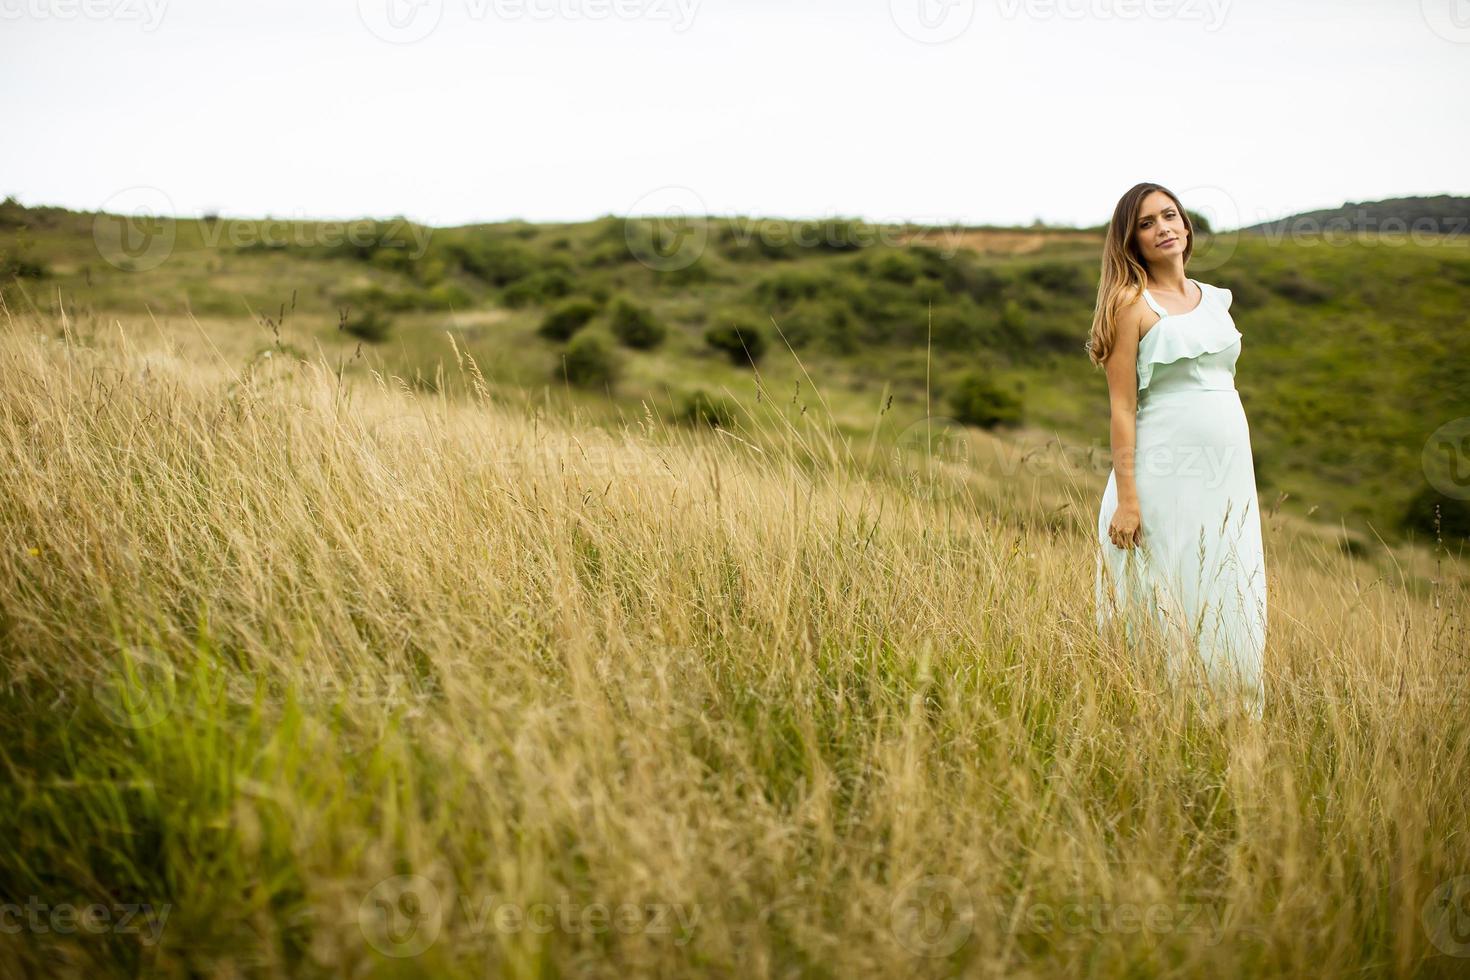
[(1249, 109)]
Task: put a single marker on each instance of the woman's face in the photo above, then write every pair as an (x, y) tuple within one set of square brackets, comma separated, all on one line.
[(1160, 228)]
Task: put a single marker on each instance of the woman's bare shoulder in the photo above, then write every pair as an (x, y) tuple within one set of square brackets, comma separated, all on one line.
[(1134, 316)]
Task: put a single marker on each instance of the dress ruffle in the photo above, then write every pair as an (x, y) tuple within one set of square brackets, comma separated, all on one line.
[(1186, 335)]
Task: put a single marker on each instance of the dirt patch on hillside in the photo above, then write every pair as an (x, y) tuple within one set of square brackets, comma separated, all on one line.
[(1011, 241)]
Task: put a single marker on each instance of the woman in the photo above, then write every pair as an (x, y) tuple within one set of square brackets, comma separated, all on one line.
[(1179, 529)]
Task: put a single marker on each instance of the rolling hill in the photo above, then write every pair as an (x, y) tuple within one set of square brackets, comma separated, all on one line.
[(1354, 351)]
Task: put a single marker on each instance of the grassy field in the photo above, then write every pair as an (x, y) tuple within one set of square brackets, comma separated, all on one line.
[(313, 671), (1353, 353)]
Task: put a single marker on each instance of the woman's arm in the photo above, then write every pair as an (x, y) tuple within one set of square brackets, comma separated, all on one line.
[(1122, 372)]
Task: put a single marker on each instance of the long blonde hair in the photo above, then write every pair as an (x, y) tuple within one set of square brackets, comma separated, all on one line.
[(1123, 271)]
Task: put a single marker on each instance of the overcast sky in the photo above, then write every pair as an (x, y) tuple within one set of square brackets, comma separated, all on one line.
[(992, 111)]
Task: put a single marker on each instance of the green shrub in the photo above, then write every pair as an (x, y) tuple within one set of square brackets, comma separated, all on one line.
[(741, 341), (370, 325), (1013, 323), (982, 283), (700, 408), (378, 298), (752, 243), (826, 322), (1454, 515), (449, 296), (13, 214), (748, 239), (1199, 223), (1298, 288), (609, 253), (1246, 293), (567, 318), (840, 235), (588, 361), (895, 267), (634, 325), (786, 288), (978, 400), (495, 261), (549, 284), (19, 265), (394, 258), (962, 326), (1054, 333), (1062, 281)]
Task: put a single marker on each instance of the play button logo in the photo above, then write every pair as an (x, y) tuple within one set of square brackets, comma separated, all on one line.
[(400, 21)]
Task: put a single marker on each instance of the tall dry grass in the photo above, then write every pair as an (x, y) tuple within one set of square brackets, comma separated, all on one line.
[(341, 679)]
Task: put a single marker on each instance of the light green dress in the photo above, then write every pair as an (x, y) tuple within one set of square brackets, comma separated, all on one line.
[(1200, 573)]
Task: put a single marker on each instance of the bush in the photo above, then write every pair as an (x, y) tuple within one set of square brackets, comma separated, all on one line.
[(980, 282), (498, 263), (609, 253), (1055, 334), (962, 326), (538, 288), (828, 322), (588, 361), (1062, 281), (766, 239), (377, 298), (700, 408), (18, 265), (742, 342), (567, 318), (978, 400), (896, 267), (1454, 515), (1299, 289), (634, 325), (449, 296), (786, 288), (370, 325), (1012, 324)]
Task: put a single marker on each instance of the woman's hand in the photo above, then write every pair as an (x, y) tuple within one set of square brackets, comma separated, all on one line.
[(1125, 529)]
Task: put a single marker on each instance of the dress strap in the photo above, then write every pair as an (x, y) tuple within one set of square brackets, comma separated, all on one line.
[(1154, 305)]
